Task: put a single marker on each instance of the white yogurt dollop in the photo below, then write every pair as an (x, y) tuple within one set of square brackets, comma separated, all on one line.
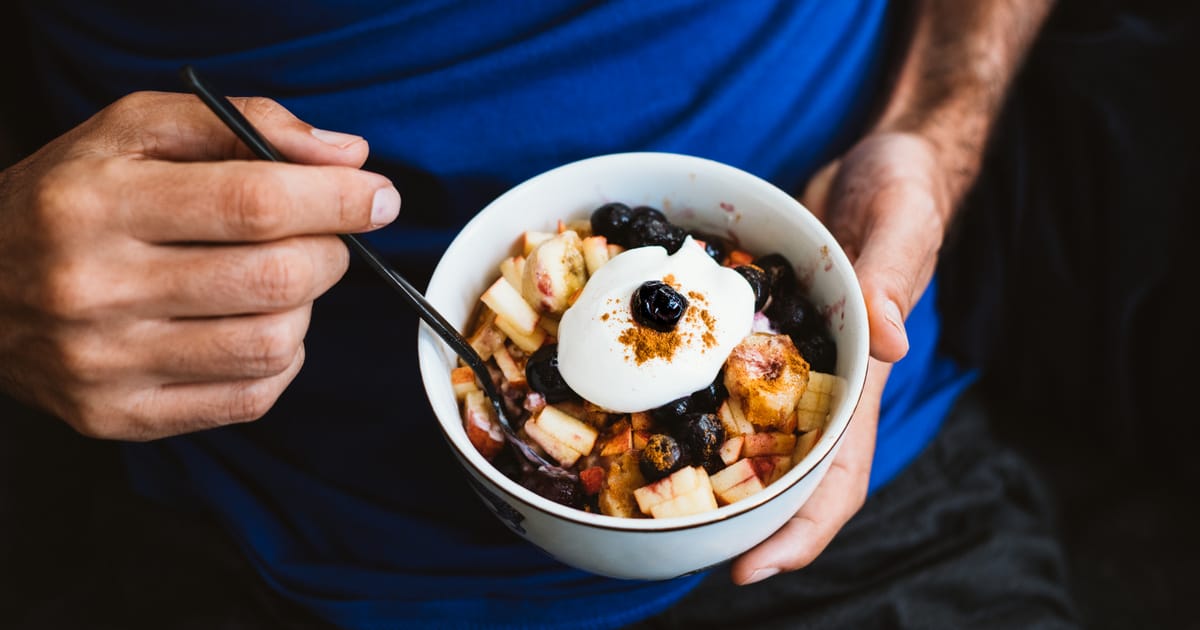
[(614, 362)]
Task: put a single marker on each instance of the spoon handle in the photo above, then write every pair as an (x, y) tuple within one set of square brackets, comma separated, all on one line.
[(233, 118)]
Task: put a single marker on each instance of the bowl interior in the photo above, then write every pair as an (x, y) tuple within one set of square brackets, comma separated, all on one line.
[(693, 192)]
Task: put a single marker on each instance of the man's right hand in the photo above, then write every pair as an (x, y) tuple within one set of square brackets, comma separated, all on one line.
[(155, 280)]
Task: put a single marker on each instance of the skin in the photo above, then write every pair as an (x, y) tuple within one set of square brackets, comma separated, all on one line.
[(889, 201), (154, 280)]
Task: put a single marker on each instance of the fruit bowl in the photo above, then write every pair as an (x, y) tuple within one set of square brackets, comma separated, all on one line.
[(700, 194)]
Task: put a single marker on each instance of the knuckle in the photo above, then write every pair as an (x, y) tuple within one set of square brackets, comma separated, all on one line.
[(253, 204), (248, 403), (67, 293), (281, 277), (273, 348), (262, 109)]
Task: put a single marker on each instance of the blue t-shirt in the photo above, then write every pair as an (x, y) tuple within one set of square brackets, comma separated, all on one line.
[(345, 497)]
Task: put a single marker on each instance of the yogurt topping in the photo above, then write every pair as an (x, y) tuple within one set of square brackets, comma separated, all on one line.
[(614, 362)]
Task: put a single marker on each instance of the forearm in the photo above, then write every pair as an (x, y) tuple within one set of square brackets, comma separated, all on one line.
[(951, 84)]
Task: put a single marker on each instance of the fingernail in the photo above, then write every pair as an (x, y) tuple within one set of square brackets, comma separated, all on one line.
[(761, 575), (385, 207), (891, 313), (335, 138)]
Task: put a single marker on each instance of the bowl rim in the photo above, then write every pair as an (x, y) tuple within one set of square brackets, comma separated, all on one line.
[(432, 351)]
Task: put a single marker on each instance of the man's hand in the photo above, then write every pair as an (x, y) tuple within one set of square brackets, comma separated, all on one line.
[(889, 201), (155, 281)]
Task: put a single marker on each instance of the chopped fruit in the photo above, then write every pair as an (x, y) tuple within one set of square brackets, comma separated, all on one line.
[(735, 482), (512, 268), (768, 375), (641, 438), (550, 325), (555, 448), (528, 342), (534, 403), (813, 407), (769, 443), (619, 440), (592, 479), (730, 413), (508, 305), (695, 502), (738, 258), (532, 238), (483, 430), (641, 421), (679, 483), (805, 443), (595, 253), (566, 429), (541, 371), (582, 227), (770, 467), (486, 337), (462, 380), (554, 272), (616, 498), (513, 373), (731, 450), (661, 456), (613, 250)]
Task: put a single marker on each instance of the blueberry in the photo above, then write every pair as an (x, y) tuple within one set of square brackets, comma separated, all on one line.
[(672, 411), (650, 229), (792, 313), (558, 488), (611, 221), (708, 399), (757, 278), (702, 435), (716, 247), (656, 305), (662, 456), (650, 212), (541, 371), (818, 348), (779, 270)]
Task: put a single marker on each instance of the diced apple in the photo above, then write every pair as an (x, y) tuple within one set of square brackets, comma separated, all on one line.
[(812, 410), (770, 467), (699, 500), (527, 342), (613, 250), (554, 272), (486, 337), (555, 448), (462, 380), (732, 418), (595, 253), (479, 420), (731, 450), (624, 476), (567, 429), (805, 443), (619, 440), (592, 479), (640, 438), (769, 443), (582, 227), (532, 238), (735, 482), (681, 482), (549, 324), (641, 421), (511, 269), (513, 373), (507, 303), (739, 257)]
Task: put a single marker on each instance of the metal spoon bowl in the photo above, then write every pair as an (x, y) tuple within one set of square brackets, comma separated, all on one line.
[(233, 118)]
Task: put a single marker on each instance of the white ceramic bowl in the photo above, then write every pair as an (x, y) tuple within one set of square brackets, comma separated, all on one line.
[(693, 192)]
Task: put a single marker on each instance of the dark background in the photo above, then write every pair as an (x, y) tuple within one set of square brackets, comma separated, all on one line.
[(1066, 279)]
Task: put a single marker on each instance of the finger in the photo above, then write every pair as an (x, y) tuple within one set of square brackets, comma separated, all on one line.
[(211, 281), (177, 126), (178, 409), (894, 263), (838, 497), (816, 193), (248, 201), (226, 348)]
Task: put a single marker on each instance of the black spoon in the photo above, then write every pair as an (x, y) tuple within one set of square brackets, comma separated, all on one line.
[(234, 119)]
